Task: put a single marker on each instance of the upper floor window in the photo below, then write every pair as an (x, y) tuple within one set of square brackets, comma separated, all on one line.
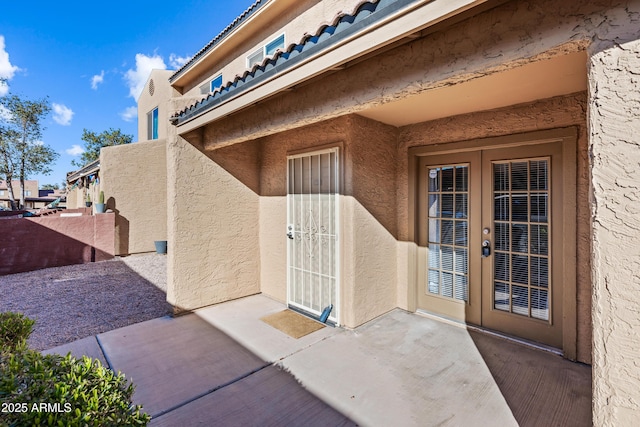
[(266, 50), (211, 85), (27, 192), (1, 192), (152, 124), (271, 47)]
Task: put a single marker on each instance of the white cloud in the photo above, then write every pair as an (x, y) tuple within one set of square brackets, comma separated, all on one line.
[(178, 61), (75, 150), (96, 80), (7, 70), (62, 114), (129, 114), (137, 78), (5, 114)]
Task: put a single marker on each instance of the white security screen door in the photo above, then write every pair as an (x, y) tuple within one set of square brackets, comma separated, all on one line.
[(312, 225)]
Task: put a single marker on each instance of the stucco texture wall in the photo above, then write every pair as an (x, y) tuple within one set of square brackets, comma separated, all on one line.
[(156, 94), (369, 222), (134, 181), (214, 252), (73, 198), (614, 121), (368, 248)]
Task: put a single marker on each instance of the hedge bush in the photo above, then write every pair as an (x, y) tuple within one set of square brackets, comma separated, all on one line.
[(53, 390), (15, 328)]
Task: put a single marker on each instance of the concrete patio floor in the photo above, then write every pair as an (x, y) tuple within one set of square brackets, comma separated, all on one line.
[(223, 365)]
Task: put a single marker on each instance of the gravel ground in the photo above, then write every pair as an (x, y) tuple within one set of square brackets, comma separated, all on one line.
[(77, 301)]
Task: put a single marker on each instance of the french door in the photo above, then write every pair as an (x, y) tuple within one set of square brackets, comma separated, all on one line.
[(312, 231), (491, 233)]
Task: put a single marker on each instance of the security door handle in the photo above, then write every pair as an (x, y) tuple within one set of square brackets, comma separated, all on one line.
[(290, 232)]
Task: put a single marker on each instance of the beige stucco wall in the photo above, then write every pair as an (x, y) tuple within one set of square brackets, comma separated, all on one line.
[(162, 93), (368, 218), (77, 197), (369, 222), (134, 181), (213, 236), (73, 198), (614, 125)]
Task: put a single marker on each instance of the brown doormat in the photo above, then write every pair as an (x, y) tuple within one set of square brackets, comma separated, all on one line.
[(291, 323)]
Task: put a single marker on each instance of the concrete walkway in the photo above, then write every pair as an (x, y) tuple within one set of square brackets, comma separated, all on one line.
[(222, 365)]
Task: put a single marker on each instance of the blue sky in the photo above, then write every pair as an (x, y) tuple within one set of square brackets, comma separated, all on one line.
[(92, 59)]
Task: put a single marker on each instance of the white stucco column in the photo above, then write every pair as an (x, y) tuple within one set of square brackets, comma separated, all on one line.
[(614, 126)]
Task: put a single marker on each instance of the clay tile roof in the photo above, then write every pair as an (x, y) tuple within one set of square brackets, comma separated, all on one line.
[(225, 32), (323, 37)]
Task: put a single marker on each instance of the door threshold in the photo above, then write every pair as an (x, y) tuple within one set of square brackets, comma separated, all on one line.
[(315, 317), (517, 340)]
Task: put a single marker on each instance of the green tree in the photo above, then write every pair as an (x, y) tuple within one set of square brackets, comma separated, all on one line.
[(93, 142), (50, 187), (8, 157), (22, 150)]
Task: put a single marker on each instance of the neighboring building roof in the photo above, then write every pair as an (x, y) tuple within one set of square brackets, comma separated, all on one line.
[(27, 182), (222, 35), (87, 169), (367, 13), (51, 194)]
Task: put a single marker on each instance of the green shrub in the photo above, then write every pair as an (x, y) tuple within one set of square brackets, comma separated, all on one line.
[(15, 328), (53, 390)]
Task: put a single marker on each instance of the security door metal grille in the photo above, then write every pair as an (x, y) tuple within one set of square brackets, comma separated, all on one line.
[(312, 231), (521, 222)]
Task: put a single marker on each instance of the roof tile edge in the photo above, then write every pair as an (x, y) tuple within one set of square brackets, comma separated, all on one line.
[(193, 109)]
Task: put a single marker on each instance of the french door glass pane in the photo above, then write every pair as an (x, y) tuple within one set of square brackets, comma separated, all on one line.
[(521, 243), (462, 178), (448, 212)]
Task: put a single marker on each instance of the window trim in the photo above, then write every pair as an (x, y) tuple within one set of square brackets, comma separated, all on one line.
[(258, 53)]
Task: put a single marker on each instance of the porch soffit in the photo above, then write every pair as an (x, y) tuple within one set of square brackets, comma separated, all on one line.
[(373, 26), (559, 75)]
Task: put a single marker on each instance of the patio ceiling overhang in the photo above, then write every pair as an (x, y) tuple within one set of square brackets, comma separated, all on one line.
[(397, 22), (559, 75)]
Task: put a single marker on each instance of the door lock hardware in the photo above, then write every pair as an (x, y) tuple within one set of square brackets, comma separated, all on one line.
[(290, 232), (486, 248)]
